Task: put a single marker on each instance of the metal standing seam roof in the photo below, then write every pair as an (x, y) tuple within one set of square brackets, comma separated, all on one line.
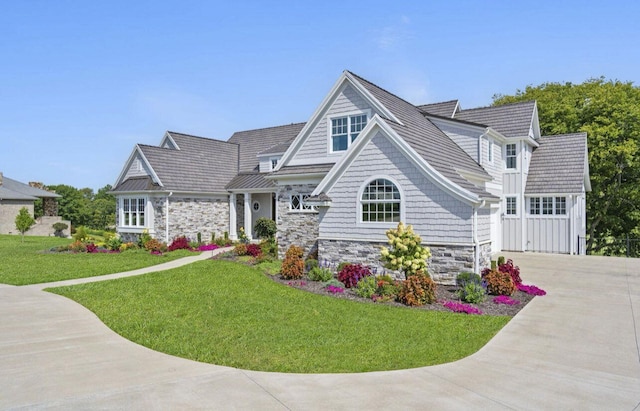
[(431, 143), (511, 120), (558, 165), (11, 189), (261, 140), (250, 181), (137, 184)]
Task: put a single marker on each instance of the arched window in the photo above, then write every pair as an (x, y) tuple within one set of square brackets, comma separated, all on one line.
[(380, 202)]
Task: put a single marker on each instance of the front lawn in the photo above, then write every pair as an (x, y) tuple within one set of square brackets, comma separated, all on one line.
[(230, 314), (29, 263)]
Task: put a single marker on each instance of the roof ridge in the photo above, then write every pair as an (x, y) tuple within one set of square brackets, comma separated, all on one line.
[(499, 106), (194, 136), (383, 89), (271, 127), (579, 133), (439, 102)]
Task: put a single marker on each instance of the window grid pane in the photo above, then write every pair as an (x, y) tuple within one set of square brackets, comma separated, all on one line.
[(534, 205), (561, 205), (511, 206), (547, 205), (511, 156), (381, 202)]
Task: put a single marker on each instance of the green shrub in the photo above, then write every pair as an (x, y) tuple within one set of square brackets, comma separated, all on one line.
[(269, 247), (81, 234), (320, 274), (310, 264), (417, 290), (466, 277), (144, 237), (494, 264), (113, 243), (387, 289), (500, 260), (265, 228), (472, 292), (293, 264), (59, 226), (367, 287), (334, 282), (499, 283)]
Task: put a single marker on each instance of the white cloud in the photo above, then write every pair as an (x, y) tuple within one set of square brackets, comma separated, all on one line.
[(393, 36)]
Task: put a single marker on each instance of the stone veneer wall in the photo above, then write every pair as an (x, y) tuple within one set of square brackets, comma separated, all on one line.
[(50, 207), (296, 228), (445, 264), (190, 216)]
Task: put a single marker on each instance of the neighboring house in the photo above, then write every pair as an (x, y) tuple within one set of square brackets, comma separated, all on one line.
[(15, 195), (471, 182)]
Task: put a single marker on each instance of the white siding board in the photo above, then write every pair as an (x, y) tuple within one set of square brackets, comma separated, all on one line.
[(317, 144), (548, 234), (484, 224), (465, 138), (136, 169), (436, 216)]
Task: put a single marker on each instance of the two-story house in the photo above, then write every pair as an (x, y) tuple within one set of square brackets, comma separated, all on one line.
[(471, 182)]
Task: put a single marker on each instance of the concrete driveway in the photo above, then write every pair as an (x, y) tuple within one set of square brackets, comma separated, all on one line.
[(576, 348)]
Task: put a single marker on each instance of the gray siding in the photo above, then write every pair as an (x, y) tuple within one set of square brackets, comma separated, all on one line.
[(137, 169), (265, 200), (484, 224), (496, 167), (435, 215), (466, 139), (317, 144)]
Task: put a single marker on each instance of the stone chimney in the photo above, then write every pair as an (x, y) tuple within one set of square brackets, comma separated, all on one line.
[(0, 178)]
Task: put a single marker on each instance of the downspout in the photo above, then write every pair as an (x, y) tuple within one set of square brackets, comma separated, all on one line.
[(166, 216), (476, 241), (572, 248)]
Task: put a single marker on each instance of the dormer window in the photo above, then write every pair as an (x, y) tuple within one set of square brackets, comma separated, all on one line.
[(274, 163), (344, 131)]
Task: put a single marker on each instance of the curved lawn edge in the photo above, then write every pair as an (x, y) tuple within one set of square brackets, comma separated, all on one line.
[(228, 314)]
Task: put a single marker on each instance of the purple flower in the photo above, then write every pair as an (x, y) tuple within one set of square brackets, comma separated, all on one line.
[(207, 247), (334, 289), (531, 289), (457, 307), (505, 299)]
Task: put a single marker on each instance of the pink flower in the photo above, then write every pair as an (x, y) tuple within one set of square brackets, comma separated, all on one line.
[(505, 299), (461, 308), (531, 289)]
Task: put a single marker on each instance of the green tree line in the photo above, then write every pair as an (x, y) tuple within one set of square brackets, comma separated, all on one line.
[(609, 112), (83, 207)]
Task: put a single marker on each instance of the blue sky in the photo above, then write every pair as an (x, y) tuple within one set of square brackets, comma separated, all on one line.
[(82, 82)]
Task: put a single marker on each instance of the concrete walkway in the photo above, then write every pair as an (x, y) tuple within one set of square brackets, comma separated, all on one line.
[(576, 348)]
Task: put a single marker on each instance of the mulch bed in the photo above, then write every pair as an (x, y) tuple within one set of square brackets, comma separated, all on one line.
[(443, 293)]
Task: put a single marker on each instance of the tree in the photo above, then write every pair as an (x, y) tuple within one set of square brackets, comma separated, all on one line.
[(609, 112), (406, 252), (24, 221)]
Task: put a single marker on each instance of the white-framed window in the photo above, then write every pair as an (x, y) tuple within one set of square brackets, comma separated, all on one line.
[(534, 205), (548, 206), (344, 131), (490, 155), (561, 205), (274, 162), (297, 203), (511, 205), (132, 212), (511, 157), (380, 202)]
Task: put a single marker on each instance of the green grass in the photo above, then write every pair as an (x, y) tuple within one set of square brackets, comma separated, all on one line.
[(229, 314), (27, 263)]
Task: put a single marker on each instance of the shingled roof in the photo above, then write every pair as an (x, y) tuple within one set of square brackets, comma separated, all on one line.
[(429, 141), (11, 189), (253, 142), (442, 109), (559, 165), (511, 120)]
